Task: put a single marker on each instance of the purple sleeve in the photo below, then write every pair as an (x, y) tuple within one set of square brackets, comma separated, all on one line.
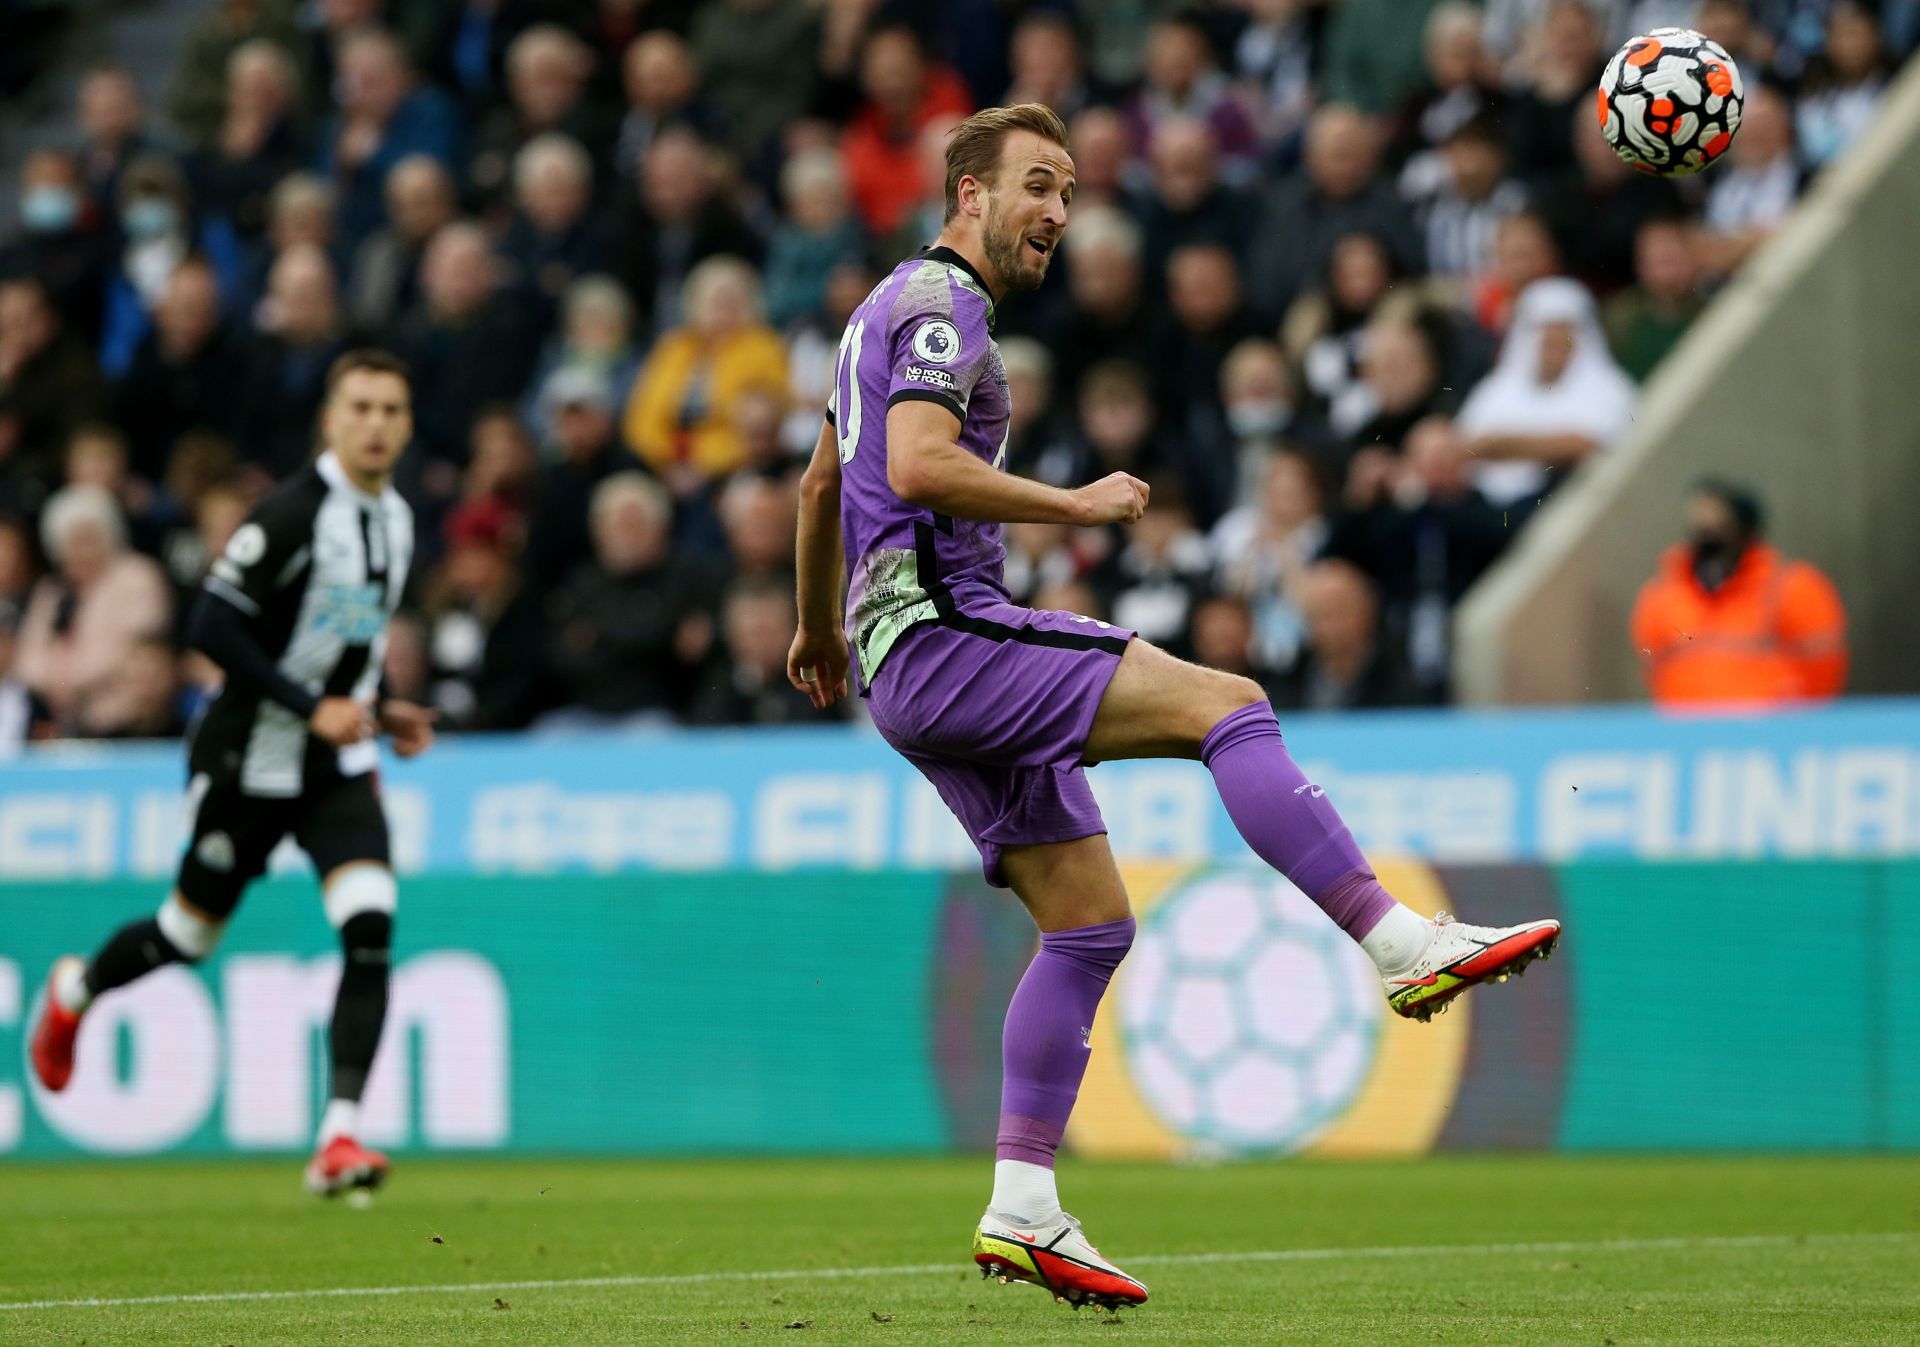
[(939, 353)]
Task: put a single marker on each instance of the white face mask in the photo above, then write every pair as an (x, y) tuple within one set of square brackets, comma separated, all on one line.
[(1258, 418)]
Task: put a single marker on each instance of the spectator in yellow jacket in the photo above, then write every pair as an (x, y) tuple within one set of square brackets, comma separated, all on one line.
[(680, 419)]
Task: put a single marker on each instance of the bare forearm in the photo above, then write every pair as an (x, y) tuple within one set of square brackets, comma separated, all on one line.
[(817, 559), (947, 479)]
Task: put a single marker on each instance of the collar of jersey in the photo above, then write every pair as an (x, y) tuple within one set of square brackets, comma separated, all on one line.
[(337, 478), (943, 254)]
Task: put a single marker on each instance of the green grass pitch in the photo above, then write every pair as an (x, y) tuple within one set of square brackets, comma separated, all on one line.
[(1601, 1251)]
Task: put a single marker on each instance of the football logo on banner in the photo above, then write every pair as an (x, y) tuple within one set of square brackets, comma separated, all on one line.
[(937, 342)]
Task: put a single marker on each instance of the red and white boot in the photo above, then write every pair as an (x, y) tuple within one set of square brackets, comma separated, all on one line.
[(1055, 1255), (54, 1036), (342, 1164)]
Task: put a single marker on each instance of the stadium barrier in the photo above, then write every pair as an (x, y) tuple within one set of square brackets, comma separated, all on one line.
[(1697, 1006), (1797, 379)]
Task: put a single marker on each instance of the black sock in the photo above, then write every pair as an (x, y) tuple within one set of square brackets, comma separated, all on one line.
[(360, 1006), (134, 951)]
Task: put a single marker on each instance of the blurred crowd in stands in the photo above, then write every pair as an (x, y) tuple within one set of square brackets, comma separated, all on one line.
[(1353, 283)]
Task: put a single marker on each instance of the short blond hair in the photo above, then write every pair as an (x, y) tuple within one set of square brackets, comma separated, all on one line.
[(974, 150)]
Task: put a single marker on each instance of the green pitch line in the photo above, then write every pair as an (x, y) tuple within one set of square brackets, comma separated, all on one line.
[(1533, 1249)]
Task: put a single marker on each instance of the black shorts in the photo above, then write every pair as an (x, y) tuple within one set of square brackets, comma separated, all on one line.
[(336, 820)]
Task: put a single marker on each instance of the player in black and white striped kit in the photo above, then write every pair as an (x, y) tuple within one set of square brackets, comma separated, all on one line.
[(296, 614)]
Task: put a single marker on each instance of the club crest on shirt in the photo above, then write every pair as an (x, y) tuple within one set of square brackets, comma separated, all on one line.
[(937, 342)]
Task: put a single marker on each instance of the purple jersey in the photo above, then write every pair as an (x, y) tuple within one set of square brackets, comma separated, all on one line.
[(925, 332)]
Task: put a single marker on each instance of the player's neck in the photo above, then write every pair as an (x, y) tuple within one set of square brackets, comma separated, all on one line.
[(372, 483), (974, 254)]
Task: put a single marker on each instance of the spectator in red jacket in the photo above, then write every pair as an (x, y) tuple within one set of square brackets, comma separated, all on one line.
[(905, 91)]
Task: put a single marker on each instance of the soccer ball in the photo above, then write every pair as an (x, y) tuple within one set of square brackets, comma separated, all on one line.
[(1250, 1022), (1670, 102)]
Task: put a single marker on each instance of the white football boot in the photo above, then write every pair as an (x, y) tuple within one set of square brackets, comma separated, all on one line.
[(1053, 1254), (1460, 956)]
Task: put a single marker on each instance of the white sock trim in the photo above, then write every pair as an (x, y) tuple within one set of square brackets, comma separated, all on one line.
[(70, 986), (341, 1119), (1023, 1192), (1397, 939), (190, 933), (358, 888)]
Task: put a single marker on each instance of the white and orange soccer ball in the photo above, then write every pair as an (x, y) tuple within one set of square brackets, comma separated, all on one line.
[(1670, 102)]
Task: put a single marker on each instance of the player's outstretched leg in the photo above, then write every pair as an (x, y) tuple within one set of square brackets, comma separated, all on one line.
[(175, 934), (1161, 706), (360, 903), (1074, 892)]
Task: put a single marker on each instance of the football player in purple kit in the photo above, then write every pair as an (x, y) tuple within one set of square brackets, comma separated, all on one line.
[(1002, 707)]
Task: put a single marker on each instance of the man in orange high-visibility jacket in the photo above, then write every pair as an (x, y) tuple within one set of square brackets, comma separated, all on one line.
[(1729, 619)]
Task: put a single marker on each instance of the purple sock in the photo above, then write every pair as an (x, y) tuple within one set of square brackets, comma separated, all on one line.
[(1044, 1050), (1289, 822)]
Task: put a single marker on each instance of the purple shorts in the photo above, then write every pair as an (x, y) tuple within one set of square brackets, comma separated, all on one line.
[(993, 704)]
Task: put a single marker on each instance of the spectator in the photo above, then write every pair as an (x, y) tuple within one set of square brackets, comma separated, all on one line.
[(48, 385), (16, 564), (747, 683), (1035, 445), (1399, 385), (1188, 203), (817, 234), (760, 516), (631, 625), (256, 141), (1043, 556), (596, 334), (923, 217), (1108, 317), (676, 221), (1339, 193), (662, 89), (97, 456), (1524, 251), (1204, 295), (1727, 618), (547, 72), (1474, 194), (1274, 59), (1595, 211), (480, 627), (813, 351), (384, 281), (555, 237), (301, 330), (1646, 322), (329, 26), (1101, 156), (157, 221), (113, 134), (467, 343), (750, 54), (1262, 551), (759, 418), (1117, 421), (904, 91), (1462, 86), (1554, 398), (1263, 412), (1045, 54), (184, 374), (86, 619), (384, 116), (16, 703), (1184, 82), (495, 491), (1345, 664), (680, 418), (1223, 635), (1844, 85), (580, 450), (1556, 90), (1325, 328), (1423, 535), (1757, 185), (1373, 52), (1153, 579), (204, 526), (62, 244), (201, 98)]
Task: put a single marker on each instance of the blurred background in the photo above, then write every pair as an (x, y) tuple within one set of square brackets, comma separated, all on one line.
[(1446, 412)]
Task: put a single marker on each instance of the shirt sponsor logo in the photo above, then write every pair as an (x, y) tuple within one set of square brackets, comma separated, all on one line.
[(939, 378), (354, 613), (937, 342)]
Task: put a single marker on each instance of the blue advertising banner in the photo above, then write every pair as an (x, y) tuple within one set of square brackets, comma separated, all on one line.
[(1454, 787)]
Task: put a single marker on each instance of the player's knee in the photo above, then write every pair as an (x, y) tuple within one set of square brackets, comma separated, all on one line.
[(356, 890), (194, 935), (1225, 694)]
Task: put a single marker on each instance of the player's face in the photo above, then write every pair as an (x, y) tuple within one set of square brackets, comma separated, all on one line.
[(368, 421), (1027, 209)]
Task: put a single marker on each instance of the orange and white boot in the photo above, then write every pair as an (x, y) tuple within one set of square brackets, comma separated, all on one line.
[(1053, 1254)]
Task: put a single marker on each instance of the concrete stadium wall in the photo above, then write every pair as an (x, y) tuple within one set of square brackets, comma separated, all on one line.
[(1803, 378)]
